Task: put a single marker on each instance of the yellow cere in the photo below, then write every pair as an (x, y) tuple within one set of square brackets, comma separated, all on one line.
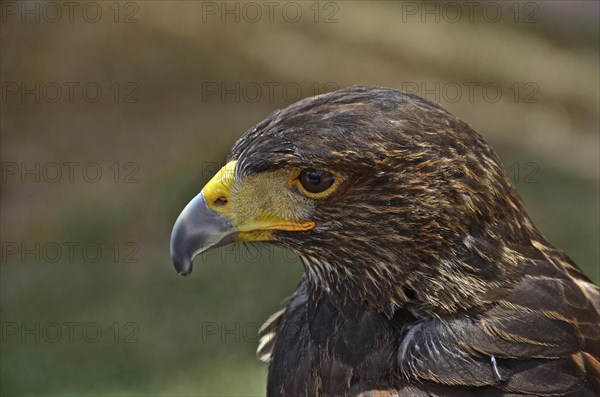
[(217, 191), (257, 205)]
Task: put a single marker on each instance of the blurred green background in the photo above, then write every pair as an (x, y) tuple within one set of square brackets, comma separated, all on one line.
[(153, 94)]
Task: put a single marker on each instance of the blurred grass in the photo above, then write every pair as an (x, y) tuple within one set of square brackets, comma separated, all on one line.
[(172, 134)]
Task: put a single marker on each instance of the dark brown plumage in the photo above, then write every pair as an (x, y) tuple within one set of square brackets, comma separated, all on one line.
[(424, 274)]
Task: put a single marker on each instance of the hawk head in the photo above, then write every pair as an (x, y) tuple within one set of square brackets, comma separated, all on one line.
[(386, 197)]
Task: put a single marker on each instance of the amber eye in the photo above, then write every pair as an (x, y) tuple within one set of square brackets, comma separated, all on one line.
[(316, 181)]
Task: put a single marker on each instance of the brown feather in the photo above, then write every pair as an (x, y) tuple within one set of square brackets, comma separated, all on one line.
[(424, 274)]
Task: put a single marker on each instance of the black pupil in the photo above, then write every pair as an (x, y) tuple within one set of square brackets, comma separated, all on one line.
[(316, 181), (314, 177)]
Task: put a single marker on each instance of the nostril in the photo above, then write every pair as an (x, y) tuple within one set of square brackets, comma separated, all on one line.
[(220, 202)]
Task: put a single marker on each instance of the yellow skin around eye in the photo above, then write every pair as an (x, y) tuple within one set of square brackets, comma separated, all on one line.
[(295, 180), (260, 204)]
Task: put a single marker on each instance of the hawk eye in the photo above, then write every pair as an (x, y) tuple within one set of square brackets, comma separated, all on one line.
[(316, 181)]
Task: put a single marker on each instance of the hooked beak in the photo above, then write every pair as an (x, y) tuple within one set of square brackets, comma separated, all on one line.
[(209, 221), (203, 223), (197, 229)]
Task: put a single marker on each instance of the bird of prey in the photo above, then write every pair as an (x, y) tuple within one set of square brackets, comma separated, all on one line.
[(424, 275)]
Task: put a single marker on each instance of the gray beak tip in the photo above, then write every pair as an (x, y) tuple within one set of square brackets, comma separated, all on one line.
[(197, 229)]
